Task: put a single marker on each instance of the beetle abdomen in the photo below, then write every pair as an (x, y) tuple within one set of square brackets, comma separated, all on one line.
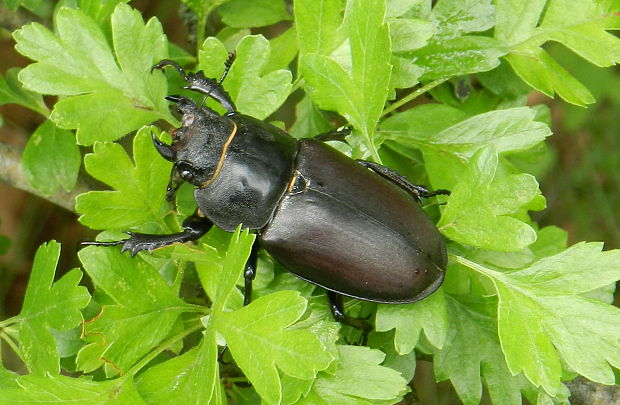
[(350, 231)]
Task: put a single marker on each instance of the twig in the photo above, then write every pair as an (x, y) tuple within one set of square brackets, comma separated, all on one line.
[(12, 173), (585, 392)]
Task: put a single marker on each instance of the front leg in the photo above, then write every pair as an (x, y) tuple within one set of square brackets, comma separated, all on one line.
[(193, 228)]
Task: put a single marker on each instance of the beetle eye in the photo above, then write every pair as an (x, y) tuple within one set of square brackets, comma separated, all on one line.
[(187, 175), (186, 172)]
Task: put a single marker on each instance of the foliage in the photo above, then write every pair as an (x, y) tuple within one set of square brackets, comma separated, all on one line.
[(519, 312)]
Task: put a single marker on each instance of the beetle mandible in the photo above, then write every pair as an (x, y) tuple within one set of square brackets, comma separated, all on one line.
[(355, 228)]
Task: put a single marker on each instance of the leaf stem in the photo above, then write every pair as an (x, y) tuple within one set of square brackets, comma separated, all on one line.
[(9, 321), (200, 32), (472, 265), (413, 95), (9, 341)]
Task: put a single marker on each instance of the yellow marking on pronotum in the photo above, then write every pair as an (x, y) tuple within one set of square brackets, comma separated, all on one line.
[(220, 163)]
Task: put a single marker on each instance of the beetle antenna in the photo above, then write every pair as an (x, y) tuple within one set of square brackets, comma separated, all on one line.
[(229, 61)]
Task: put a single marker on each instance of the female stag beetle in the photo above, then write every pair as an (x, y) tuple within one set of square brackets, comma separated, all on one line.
[(352, 227)]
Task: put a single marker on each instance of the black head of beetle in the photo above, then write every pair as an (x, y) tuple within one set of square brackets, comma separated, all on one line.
[(198, 146)]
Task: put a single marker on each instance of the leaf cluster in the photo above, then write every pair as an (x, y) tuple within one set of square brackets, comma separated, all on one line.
[(519, 312)]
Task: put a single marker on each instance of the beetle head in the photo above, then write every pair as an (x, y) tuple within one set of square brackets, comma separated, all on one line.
[(199, 146)]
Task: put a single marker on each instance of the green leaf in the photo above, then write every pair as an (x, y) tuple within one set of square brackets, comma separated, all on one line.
[(283, 50), (538, 69), (237, 255), (409, 34), (332, 87), (443, 128), (544, 321), (310, 121), (409, 320), (380, 385), (503, 82), (405, 74), (370, 54), (558, 14), (479, 210), (48, 304), (579, 25), (590, 42), (202, 8), (51, 159), (262, 326), (28, 4), (405, 364), (455, 17), (421, 122), (100, 10), (255, 91), (358, 95), (140, 186), (458, 56), (144, 312), (79, 62), (63, 389), (253, 13), (317, 25), (11, 91), (472, 352), (517, 19), (509, 130), (186, 378), (194, 376)]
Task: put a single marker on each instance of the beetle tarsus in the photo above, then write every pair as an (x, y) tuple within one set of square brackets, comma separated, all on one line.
[(194, 227), (416, 191)]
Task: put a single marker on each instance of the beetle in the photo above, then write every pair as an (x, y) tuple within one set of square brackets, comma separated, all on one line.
[(355, 228)]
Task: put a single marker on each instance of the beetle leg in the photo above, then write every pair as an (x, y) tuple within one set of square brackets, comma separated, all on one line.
[(337, 307), (249, 274), (193, 228), (414, 190)]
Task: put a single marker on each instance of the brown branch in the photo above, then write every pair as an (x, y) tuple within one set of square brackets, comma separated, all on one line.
[(12, 173), (585, 392)]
